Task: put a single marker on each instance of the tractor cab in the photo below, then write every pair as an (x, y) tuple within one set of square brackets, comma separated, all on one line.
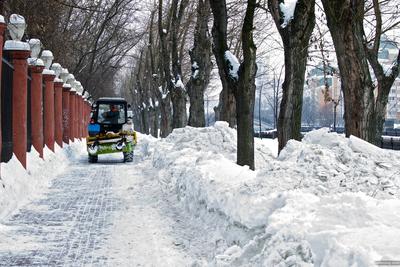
[(110, 114), (110, 129)]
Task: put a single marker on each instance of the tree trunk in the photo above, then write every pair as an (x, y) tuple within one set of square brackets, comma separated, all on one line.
[(245, 95), (178, 93), (385, 82), (200, 57), (156, 123), (167, 87), (145, 122), (345, 22), (295, 36), (226, 109), (166, 116)]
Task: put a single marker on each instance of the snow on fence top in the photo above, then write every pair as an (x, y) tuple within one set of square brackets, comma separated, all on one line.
[(17, 19), (16, 46)]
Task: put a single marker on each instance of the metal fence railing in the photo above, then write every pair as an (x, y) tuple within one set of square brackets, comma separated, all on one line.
[(29, 116), (6, 109), (390, 138)]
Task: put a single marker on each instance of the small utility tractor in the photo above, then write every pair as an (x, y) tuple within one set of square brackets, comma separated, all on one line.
[(110, 129)]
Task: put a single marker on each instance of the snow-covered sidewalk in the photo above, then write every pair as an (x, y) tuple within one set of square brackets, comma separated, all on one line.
[(105, 214)]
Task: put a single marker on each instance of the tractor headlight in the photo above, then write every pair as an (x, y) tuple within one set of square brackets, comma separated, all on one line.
[(120, 145), (93, 148)]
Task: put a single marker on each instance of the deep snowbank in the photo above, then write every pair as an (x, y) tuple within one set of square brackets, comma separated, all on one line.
[(18, 186), (327, 201)]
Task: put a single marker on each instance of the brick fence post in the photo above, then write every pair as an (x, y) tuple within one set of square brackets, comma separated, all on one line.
[(19, 97), (37, 108), (66, 112), (58, 111), (71, 115), (49, 109), (80, 116)]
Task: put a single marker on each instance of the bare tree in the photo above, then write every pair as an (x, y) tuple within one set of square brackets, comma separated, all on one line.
[(385, 79), (178, 92), (167, 85), (200, 57), (364, 111), (245, 94), (226, 110), (295, 35)]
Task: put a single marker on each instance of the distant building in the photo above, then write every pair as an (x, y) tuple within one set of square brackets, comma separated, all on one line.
[(316, 90), (315, 86), (387, 55)]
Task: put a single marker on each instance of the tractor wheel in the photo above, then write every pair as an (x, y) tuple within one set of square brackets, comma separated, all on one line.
[(93, 159), (128, 156)]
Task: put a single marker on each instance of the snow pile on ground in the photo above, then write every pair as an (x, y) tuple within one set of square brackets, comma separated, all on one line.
[(19, 186), (327, 201)]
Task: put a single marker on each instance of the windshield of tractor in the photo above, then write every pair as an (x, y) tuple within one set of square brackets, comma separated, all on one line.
[(111, 114)]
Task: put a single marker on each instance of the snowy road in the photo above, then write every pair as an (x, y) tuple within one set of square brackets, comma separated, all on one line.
[(105, 214)]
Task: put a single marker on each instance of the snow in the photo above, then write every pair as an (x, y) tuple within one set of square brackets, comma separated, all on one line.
[(19, 186), (163, 95), (16, 46), (287, 8), (233, 64), (48, 72), (47, 53), (35, 47), (66, 85), (179, 84), (17, 19), (327, 200), (35, 62), (2, 20), (195, 70)]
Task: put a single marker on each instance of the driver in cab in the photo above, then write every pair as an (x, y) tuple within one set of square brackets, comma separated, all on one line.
[(112, 115)]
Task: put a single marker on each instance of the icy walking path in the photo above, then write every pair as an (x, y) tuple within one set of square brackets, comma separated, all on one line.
[(105, 214)]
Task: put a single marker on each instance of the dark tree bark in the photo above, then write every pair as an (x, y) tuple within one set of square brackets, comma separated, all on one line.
[(295, 37), (200, 58), (167, 85), (245, 94), (345, 22), (178, 93), (153, 81), (226, 109), (156, 123)]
